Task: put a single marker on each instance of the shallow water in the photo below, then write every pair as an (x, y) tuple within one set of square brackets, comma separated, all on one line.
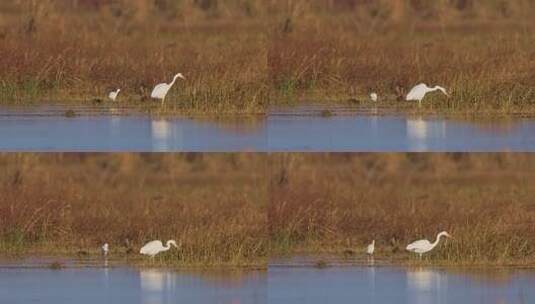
[(121, 284), (299, 129), (287, 281), (398, 285)]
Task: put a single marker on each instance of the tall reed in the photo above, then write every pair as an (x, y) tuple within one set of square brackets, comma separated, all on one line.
[(240, 56)]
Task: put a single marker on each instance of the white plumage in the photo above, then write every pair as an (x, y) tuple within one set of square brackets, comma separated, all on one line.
[(161, 90), (105, 249), (371, 248), (418, 92), (423, 246), (374, 97), (113, 95), (153, 248)]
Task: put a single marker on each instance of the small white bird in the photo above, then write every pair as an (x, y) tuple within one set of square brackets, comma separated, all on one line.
[(423, 246), (113, 95), (153, 248), (371, 248), (374, 97), (161, 90), (105, 249), (418, 92)]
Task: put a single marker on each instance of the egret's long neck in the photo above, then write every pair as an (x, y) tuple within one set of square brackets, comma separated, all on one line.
[(437, 240), (167, 246), (439, 88), (172, 83)]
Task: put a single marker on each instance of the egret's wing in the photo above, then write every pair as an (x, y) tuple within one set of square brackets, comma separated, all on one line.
[(149, 246), (418, 244), (159, 90), (416, 92)]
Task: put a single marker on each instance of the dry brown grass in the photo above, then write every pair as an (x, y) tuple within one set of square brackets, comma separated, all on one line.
[(62, 203), (241, 55), (328, 203), (239, 208)]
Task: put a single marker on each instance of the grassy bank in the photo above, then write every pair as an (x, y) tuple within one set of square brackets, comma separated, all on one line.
[(241, 209), (242, 56), (70, 204), (339, 203)]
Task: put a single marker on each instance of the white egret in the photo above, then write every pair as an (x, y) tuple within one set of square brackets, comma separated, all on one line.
[(418, 92), (161, 90), (374, 97), (113, 95), (423, 246), (105, 249), (153, 248), (371, 248)]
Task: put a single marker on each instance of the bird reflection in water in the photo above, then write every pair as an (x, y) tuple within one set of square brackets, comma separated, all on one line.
[(159, 286), (420, 132), (426, 286), (154, 285), (162, 134), (154, 280)]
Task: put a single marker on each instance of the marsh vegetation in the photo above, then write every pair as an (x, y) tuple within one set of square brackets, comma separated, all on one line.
[(240, 209), (335, 203), (71, 204), (240, 56)]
